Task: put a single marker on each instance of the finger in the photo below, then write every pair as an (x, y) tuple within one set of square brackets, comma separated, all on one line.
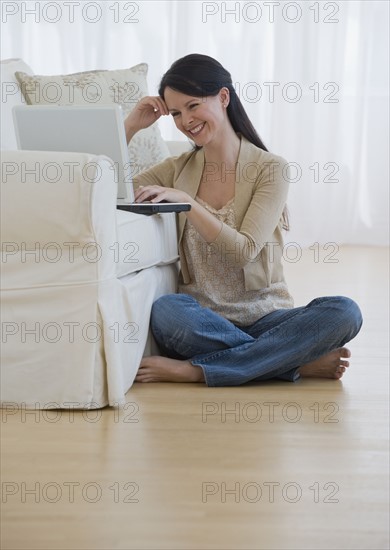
[(162, 106), (157, 104), (138, 192), (165, 106), (161, 196), (144, 188), (146, 196), (146, 193)]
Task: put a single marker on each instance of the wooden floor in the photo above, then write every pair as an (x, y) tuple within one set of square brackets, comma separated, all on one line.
[(273, 466)]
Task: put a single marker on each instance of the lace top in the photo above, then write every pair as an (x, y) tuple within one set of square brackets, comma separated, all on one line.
[(220, 285)]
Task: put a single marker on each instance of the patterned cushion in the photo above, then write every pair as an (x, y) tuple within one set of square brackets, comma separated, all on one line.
[(124, 87)]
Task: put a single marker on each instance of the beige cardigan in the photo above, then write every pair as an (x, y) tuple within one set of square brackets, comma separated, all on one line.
[(260, 196)]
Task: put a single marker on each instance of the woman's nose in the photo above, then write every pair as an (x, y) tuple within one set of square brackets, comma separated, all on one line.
[(187, 120)]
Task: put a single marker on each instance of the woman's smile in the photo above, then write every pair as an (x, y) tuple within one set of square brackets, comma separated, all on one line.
[(196, 131)]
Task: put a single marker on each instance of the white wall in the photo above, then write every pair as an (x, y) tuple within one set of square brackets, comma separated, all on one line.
[(327, 63)]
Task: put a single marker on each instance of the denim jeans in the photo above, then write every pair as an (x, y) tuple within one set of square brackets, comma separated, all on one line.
[(275, 346)]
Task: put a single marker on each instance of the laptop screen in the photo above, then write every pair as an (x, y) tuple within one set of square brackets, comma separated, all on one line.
[(94, 129)]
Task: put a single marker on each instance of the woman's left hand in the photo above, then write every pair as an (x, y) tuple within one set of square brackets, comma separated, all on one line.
[(157, 193)]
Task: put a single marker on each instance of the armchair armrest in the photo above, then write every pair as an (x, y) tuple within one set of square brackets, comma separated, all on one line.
[(59, 290), (57, 218)]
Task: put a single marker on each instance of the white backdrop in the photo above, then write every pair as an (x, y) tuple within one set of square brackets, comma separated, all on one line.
[(313, 77)]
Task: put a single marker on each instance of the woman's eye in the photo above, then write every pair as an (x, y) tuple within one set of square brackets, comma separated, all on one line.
[(193, 105)]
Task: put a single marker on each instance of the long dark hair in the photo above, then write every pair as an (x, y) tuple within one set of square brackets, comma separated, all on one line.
[(202, 76)]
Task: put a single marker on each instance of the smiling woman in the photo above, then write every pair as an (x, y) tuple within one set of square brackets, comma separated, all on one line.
[(232, 320)]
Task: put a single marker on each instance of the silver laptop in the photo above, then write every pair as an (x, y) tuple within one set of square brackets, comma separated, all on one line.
[(97, 129)]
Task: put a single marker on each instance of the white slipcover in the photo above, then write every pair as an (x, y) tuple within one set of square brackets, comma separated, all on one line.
[(143, 242), (73, 333)]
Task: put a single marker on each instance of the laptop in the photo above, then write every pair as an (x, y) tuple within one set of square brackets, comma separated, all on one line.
[(97, 129)]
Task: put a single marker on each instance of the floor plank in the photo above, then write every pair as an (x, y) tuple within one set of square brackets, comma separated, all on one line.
[(271, 466)]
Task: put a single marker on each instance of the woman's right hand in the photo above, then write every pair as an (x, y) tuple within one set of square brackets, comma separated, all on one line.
[(145, 113)]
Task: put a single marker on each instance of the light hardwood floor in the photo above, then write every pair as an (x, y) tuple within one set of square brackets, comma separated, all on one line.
[(272, 466)]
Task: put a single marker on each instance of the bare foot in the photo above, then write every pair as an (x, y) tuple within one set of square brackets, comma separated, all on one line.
[(330, 365), (163, 369)]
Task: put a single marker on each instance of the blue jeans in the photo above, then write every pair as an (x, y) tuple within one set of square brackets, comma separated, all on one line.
[(275, 346)]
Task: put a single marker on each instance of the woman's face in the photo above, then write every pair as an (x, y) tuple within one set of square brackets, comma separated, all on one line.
[(202, 119)]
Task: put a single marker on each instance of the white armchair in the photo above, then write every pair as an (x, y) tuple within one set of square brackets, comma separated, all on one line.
[(78, 281), (78, 276)]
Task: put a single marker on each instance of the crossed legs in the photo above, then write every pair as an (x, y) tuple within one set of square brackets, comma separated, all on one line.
[(200, 346)]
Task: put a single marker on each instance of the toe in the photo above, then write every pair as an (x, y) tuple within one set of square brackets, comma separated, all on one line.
[(141, 377), (345, 352)]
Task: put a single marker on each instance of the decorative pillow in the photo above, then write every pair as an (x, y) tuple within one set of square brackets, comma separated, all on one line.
[(124, 87), (10, 96)]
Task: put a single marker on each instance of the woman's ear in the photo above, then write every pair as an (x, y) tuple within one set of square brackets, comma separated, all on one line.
[(224, 95)]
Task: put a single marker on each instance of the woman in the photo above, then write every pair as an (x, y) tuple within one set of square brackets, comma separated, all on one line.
[(232, 320)]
